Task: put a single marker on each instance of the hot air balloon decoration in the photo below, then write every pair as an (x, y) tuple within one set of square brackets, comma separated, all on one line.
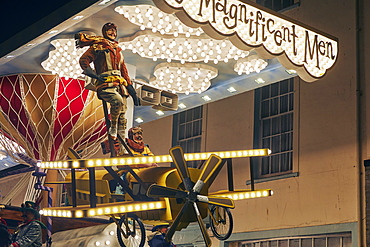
[(47, 114)]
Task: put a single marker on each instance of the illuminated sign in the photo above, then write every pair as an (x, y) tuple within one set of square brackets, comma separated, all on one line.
[(311, 53)]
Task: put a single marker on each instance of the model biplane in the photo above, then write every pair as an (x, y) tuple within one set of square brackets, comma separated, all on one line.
[(154, 195)]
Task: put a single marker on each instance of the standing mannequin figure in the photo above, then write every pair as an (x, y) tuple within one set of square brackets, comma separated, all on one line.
[(112, 81), (28, 234)]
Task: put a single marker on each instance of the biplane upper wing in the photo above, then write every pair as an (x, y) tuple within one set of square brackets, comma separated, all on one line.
[(137, 160), (241, 194)]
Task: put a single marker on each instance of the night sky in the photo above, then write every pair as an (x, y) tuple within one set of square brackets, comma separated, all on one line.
[(18, 15)]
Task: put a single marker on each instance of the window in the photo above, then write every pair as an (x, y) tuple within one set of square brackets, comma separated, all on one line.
[(276, 5), (273, 127), (331, 240), (187, 131)]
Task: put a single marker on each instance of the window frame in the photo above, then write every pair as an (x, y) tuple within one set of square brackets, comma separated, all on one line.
[(274, 4), (257, 136), (181, 122), (311, 239)]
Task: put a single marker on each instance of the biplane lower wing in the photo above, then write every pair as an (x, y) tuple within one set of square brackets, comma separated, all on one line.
[(109, 209)]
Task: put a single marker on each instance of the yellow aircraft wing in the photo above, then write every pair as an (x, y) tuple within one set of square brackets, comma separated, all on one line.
[(132, 161), (115, 208), (242, 194)]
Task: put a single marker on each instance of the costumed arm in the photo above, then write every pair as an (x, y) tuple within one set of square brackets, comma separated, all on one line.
[(83, 40), (130, 88), (85, 60), (133, 94), (123, 69), (32, 234), (147, 150)]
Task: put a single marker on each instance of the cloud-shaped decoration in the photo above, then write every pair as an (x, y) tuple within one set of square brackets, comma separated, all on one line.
[(148, 16), (183, 78), (185, 49), (250, 64), (63, 60), (311, 53)]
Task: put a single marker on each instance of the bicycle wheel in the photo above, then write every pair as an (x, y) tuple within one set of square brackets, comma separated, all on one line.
[(133, 231), (221, 222)]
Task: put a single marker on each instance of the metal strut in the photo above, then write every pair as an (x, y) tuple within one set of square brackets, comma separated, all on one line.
[(114, 154)]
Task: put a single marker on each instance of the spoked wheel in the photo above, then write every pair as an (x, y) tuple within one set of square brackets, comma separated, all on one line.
[(131, 231), (221, 222)]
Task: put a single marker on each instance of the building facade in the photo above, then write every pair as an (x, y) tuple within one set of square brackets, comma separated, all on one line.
[(318, 136)]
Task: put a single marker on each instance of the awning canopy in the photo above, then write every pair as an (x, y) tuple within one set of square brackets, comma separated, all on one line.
[(236, 46)]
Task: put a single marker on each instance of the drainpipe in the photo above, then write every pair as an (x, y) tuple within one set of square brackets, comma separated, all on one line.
[(359, 90)]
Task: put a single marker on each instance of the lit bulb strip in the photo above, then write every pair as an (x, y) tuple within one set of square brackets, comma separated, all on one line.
[(132, 161), (243, 194), (106, 209), (228, 154), (66, 213)]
